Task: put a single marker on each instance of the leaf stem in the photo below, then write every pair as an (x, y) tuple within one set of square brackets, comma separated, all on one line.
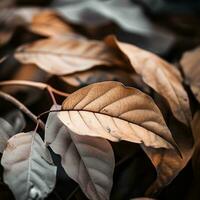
[(38, 85), (47, 112), (22, 107)]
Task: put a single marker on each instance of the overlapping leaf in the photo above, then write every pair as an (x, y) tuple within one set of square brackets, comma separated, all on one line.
[(190, 63), (13, 123), (167, 163), (158, 74), (6, 131), (87, 160), (11, 18), (196, 133), (49, 23), (67, 56), (84, 78), (28, 167), (115, 112)]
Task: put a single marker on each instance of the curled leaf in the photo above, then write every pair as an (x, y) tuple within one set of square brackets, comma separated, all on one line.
[(190, 63), (163, 77), (13, 123), (67, 56), (6, 131), (49, 23), (196, 134), (87, 160), (167, 163), (80, 79)]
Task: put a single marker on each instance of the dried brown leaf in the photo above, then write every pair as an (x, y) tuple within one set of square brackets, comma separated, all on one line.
[(167, 163), (115, 112), (163, 77), (190, 63), (67, 56), (84, 78), (49, 23), (196, 134)]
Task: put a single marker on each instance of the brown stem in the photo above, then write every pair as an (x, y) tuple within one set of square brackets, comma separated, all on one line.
[(47, 112), (39, 85), (22, 107), (52, 95)]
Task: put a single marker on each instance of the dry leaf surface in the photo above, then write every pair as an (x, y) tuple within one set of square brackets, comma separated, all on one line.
[(65, 56), (163, 77), (190, 63), (167, 163), (28, 167), (88, 160), (196, 134), (13, 123), (115, 112), (49, 23)]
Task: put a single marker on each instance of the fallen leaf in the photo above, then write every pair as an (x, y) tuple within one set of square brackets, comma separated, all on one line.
[(11, 18), (115, 112), (128, 15), (65, 56), (163, 77), (190, 63), (13, 123), (196, 133), (80, 79), (167, 163), (88, 160), (28, 167), (16, 119), (49, 23), (6, 131)]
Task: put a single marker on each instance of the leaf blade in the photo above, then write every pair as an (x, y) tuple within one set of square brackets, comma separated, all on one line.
[(163, 77), (87, 160), (109, 108), (66, 56), (30, 162)]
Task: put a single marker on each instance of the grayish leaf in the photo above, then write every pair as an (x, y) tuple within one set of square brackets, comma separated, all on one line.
[(128, 15), (28, 167), (87, 160), (7, 130)]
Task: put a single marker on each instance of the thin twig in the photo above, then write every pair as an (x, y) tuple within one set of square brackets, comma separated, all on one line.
[(52, 95), (22, 107), (47, 112), (38, 85)]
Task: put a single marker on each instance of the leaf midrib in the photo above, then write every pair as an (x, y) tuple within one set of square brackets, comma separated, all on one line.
[(96, 112)]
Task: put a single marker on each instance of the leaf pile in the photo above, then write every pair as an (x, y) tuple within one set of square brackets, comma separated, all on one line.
[(86, 115)]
